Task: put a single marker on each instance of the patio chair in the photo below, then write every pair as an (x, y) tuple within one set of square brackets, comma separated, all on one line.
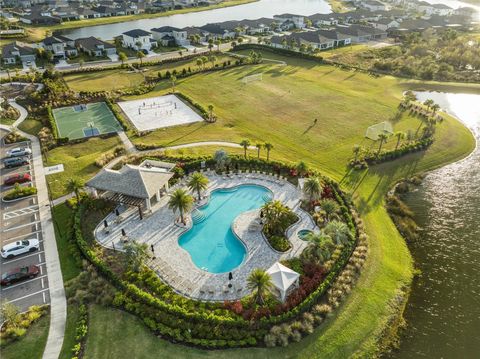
[(238, 288), (226, 289), (211, 290)]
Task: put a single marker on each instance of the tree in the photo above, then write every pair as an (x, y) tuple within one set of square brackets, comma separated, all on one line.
[(221, 159), (276, 217), (338, 231), (204, 61), (210, 44), (330, 207), (312, 188), (356, 151), (122, 57), (400, 135), (212, 59), (217, 43), (259, 147), (302, 168), (81, 62), (245, 144), (9, 313), (259, 282), (435, 108), (198, 183), (429, 103), (74, 185), (199, 63), (268, 147), (136, 254), (180, 201), (383, 138), (140, 56), (319, 249), (173, 79), (210, 113)]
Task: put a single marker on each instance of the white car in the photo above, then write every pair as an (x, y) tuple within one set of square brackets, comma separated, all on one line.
[(19, 151), (19, 247)]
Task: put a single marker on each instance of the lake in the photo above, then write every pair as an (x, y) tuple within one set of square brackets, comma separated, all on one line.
[(443, 313)]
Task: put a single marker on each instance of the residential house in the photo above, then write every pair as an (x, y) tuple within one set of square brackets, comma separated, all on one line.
[(361, 33), (319, 20), (442, 10), (170, 36), (60, 46), (95, 47), (297, 20), (218, 31), (373, 5), (259, 26), (194, 31), (138, 40), (319, 39), (414, 25), (17, 52), (40, 18), (385, 24)]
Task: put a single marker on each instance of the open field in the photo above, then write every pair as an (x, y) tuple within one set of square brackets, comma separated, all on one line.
[(115, 79), (281, 109)]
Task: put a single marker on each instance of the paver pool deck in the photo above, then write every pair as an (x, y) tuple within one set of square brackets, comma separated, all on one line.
[(174, 265)]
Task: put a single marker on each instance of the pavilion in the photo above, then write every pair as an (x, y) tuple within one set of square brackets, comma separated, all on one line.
[(283, 279)]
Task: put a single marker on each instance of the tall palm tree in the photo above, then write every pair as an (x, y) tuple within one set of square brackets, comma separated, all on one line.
[(330, 207), (180, 201), (212, 59), (435, 108), (356, 151), (268, 147), (400, 135), (217, 42), (338, 231), (140, 56), (319, 249), (74, 185), (173, 80), (312, 188), (383, 138), (302, 168), (429, 103), (122, 57), (210, 113), (259, 282), (245, 144), (198, 183), (259, 147), (199, 63)]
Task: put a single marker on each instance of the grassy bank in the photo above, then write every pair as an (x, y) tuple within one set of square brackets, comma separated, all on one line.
[(37, 33), (281, 109)]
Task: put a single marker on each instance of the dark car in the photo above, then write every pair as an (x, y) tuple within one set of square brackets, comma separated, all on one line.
[(17, 178), (16, 162), (145, 51), (19, 274)]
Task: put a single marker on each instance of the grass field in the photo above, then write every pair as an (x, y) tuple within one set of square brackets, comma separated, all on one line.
[(96, 120), (115, 79), (281, 109)]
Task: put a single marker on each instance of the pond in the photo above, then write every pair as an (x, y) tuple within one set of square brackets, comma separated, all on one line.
[(443, 313)]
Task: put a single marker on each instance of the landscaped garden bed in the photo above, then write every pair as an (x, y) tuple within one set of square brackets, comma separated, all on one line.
[(20, 192)]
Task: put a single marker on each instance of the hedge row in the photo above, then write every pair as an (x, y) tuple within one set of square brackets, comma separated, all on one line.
[(117, 114), (51, 121), (81, 330), (390, 155), (280, 51), (196, 105)]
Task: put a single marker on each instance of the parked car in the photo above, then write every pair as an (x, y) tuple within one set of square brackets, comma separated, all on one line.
[(16, 162), (19, 151), (19, 274), (17, 178), (19, 247)]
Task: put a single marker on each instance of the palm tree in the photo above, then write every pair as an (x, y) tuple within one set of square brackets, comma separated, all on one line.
[(356, 151), (400, 135), (210, 44), (204, 61), (217, 42), (435, 108), (302, 168), (259, 147), (312, 188), (81, 62), (140, 56), (180, 201), (268, 147), (245, 144), (74, 185), (212, 59), (383, 138), (319, 249), (259, 282), (210, 112), (199, 63), (429, 103), (122, 57), (338, 231), (330, 207), (173, 79), (198, 182)]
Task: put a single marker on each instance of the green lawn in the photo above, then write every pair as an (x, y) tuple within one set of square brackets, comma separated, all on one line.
[(31, 126), (32, 344), (61, 215), (116, 79), (281, 109), (78, 161)]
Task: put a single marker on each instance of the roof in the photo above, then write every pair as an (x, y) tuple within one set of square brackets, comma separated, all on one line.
[(22, 48), (134, 181), (358, 30), (137, 33), (168, 37), (288, 15), (91, 43), (380, 128), (282, 277), (441, 6), (216, 28), (166, 29), (416, 24)]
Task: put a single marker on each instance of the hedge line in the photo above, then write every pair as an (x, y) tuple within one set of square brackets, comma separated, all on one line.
[(196, 105), (390, 155), (51, 121), (117, 114), (280, 51)]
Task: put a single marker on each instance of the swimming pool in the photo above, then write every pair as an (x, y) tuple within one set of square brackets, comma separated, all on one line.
[(211, 243)]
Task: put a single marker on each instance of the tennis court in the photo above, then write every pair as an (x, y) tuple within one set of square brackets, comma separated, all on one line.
[(85, 120)]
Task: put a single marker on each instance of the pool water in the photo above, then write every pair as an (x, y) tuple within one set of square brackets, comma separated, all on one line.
[(211, 243)]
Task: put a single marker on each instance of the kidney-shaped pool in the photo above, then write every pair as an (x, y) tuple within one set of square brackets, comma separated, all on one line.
[(210, 242)]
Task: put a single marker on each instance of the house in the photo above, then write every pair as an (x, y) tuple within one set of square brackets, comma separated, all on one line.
[(218, 31), (385, 24), (138, 40), (95, 47), (195, 31), (442, 10), (415, 25), (170, 36), (259, 26), (297, 20), (465, 11), (17, 52), (319, 20), (361, 33), (60, 46), (373, 5), (84, 13), (319, 39), (39, 19)]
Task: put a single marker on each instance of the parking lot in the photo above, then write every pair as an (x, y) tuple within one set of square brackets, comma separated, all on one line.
[(20, 220)]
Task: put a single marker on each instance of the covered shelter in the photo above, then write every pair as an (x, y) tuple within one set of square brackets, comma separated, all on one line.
[(284, 280), (380, 128), (138, 186)]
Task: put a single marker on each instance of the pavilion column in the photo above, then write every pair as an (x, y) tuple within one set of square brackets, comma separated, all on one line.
[(166, 186), (157, 195), (149, 204)]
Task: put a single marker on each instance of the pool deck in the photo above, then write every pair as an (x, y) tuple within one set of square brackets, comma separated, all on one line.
[(174, 265)]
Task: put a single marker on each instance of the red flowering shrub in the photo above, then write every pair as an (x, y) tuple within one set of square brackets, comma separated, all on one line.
[(235, 306), (327, 192)]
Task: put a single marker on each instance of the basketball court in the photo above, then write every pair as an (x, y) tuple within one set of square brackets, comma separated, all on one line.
[(158, 112), (85, 120)]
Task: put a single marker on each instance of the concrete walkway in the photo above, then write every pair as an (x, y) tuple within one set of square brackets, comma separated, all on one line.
[(58, 303), (129, 146)]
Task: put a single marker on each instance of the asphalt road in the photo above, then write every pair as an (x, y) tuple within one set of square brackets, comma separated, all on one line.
[(20, 220)]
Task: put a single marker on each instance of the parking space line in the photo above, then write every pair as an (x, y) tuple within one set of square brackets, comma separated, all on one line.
[(27, 256), (21, 236), (43, 283), (29, 295), (21, 212), (19, 284), (21, 226), (44, 299), (41, 271)]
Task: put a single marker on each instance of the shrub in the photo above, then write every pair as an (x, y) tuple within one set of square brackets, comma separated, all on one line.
[(20, 192)]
